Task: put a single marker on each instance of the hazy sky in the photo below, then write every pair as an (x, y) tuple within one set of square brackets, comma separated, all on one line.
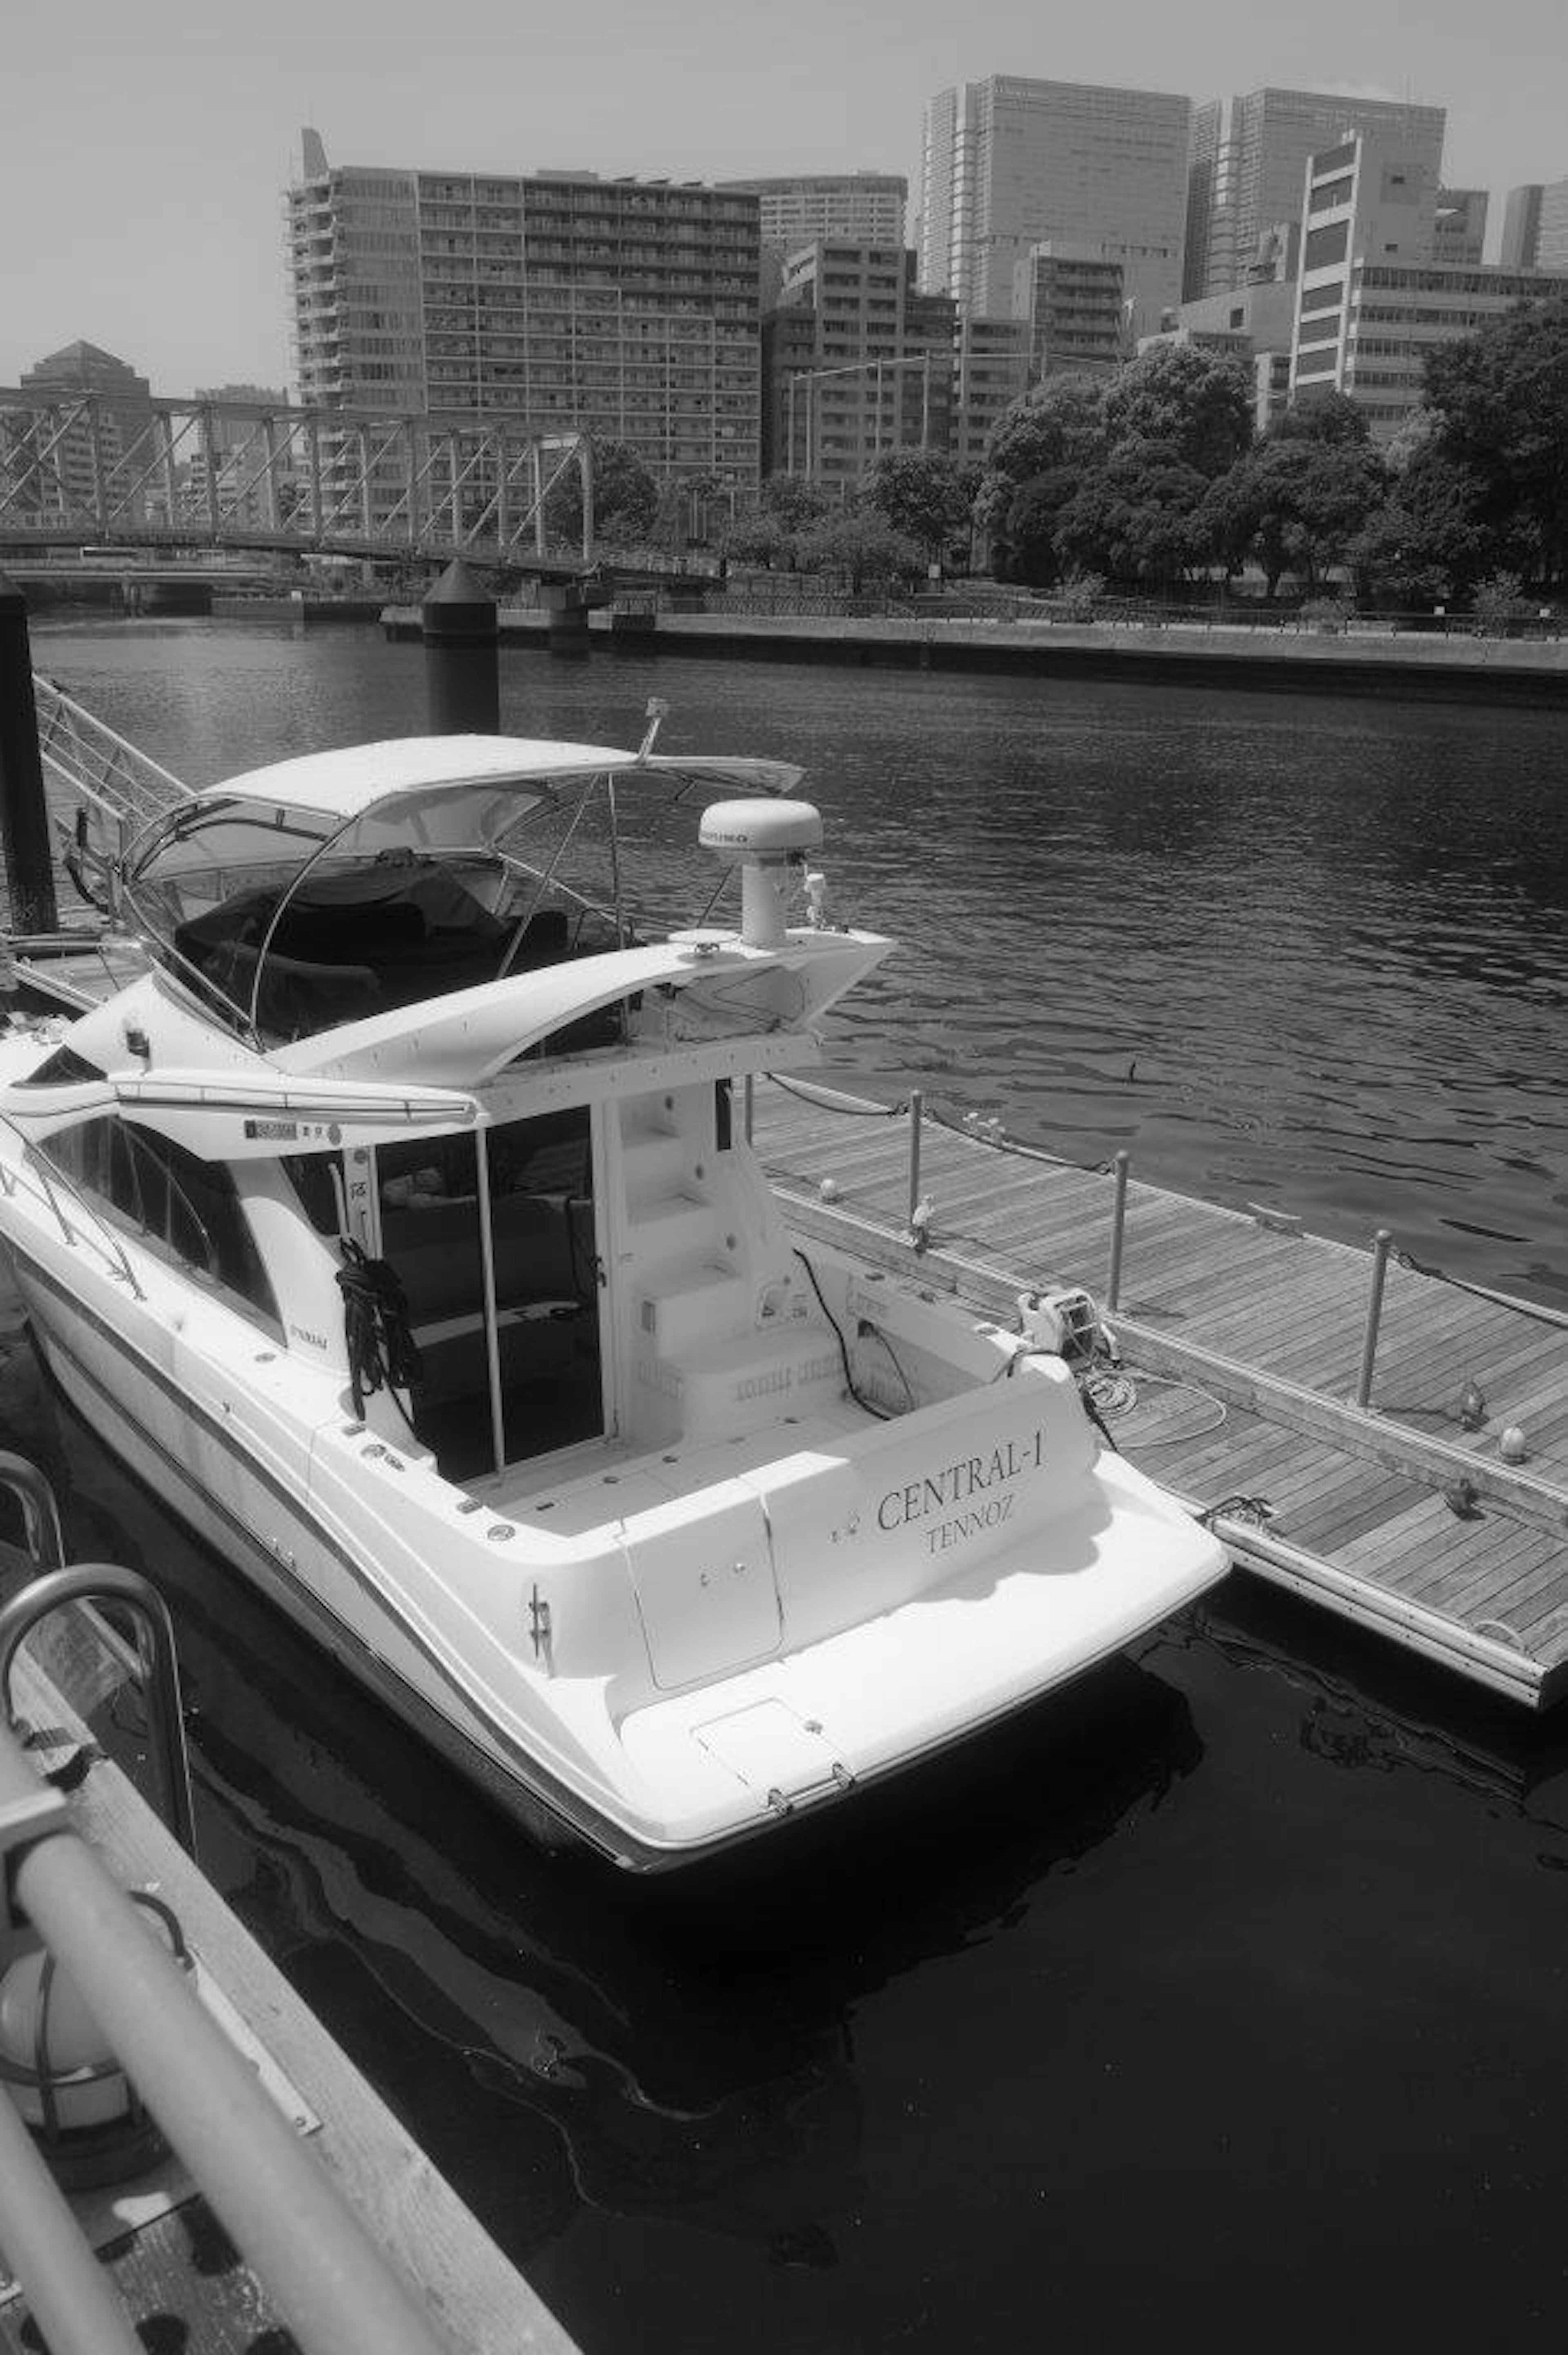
[(145, 145)]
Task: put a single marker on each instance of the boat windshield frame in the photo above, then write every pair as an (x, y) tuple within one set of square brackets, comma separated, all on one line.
[(499, 807)]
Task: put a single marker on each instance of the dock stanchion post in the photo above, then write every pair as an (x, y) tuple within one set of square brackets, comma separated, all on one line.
[(24, 817), (1381, 1243), (1119, 1230), (462, 641), (747, 1096), (917, 1109)]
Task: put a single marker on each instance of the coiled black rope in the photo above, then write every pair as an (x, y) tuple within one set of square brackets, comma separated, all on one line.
[(382, 1352)]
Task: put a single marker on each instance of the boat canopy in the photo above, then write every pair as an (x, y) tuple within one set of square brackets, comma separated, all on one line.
[(326, 890)]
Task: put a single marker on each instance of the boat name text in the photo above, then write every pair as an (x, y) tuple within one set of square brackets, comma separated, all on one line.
[(958, 1484)]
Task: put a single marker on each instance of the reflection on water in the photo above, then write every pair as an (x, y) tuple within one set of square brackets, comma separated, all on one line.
[(1219, 2001)]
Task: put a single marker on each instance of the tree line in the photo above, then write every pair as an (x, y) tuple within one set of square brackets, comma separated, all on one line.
[(1154, 479)]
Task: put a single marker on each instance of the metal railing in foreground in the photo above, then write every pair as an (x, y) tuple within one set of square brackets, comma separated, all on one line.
[(121, 783), (283, 2210)]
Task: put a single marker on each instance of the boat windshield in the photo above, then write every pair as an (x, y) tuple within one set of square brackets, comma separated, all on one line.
[(290, 921)]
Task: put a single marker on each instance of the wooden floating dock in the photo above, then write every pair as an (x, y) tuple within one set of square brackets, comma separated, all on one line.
[(1244, 1346)]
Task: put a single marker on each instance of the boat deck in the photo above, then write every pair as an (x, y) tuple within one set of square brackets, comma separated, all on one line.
[(1242, 1342)]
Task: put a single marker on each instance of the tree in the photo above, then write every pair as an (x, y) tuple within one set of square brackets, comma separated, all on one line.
[(794, 500), (1132, 516), (1329, 417), (625, 497), (860, 547), (1293, 503), (924, 494), (1501, 401), (760, 539), (1025, 546), (1055, 424), (1194, 403), (1427, 543)]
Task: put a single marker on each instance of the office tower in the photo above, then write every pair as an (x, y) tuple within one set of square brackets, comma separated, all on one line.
[(1522, 228), (1010, 164), (1552, 235), (623, 308), (1461, 230), (1371, 302), (1072, 298), (856, 362), (1249, 156)]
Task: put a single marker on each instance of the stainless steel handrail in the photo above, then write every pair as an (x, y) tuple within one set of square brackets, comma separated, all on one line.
[(335, 2288), (158, 1668), (48, 1177)]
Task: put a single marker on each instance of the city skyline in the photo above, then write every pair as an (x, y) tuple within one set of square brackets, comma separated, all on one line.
[(146, 198)]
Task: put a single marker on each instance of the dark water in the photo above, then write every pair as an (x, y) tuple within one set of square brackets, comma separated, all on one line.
[(1223, 2005)]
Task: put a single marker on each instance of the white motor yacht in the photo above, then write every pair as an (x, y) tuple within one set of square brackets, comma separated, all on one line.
[(394, 1217)]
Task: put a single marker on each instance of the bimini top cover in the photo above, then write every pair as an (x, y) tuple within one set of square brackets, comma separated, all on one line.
[(347, 782), (311, 879)]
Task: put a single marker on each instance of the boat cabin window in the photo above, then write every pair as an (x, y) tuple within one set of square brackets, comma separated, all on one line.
[(64, 1069), (182, 1205)]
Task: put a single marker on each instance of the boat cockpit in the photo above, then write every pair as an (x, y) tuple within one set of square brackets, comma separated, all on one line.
[(341, 892)]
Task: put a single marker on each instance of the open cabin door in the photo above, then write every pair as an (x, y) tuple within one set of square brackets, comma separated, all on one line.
[(493, 1237)]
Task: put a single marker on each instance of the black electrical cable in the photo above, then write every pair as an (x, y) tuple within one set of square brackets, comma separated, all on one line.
[(881, 1412)]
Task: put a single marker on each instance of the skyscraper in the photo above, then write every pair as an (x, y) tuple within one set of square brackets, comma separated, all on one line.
[(1010, 164), (1249, 159), (1521, 227)]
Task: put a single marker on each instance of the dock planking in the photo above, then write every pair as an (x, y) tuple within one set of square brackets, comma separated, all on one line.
[(1255, 1331)]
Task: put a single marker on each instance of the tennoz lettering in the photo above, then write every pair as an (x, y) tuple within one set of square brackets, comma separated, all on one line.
[(968, 1483)]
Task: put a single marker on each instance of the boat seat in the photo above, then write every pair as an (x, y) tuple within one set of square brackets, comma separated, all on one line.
[(298, 999)]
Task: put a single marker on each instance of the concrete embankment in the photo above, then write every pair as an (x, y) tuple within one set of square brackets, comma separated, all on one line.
[(1370, 661)]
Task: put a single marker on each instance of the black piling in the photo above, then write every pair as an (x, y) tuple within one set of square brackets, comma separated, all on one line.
[(462, 645), (23, 814)]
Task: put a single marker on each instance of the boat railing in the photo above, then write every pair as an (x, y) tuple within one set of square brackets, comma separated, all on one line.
[(116, 779), (49, 1183)]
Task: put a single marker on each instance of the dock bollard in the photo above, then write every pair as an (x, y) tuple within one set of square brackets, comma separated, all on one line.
[(917, 1109), (463, 680), (1118, 1228), (1382, 1243)]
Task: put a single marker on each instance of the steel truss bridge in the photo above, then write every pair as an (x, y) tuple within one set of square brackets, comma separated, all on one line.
[(107, 475)]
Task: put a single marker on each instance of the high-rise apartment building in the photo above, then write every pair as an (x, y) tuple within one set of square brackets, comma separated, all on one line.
[(83, 465), (1072, 298), (623, 308), (796, 211), (990, 372), (1249, 156), (856, 362), (1371, 302), (1010, 164)]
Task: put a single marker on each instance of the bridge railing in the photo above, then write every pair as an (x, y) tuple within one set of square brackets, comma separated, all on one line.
[(100, 469)]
